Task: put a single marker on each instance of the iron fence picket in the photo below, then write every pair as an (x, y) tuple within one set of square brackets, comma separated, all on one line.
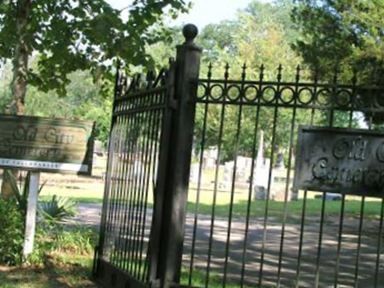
[(272, 157), (379, 246), (143, 191), (250, 195), (361, 220), (196, 211), (215, 190), (289, 164)]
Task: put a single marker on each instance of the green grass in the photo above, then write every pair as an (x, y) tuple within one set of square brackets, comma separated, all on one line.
[(198, 278), (90, 190), (93, 193), (63, 258), (60, 270), (87, 192), (294, 208)]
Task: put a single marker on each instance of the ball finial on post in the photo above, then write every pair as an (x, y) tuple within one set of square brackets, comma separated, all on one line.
[(190, 31)]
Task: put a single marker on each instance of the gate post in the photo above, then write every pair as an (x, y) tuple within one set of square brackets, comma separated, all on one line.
[(179, 159)]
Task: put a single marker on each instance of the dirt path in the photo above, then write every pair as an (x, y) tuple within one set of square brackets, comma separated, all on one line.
[(87, 214)]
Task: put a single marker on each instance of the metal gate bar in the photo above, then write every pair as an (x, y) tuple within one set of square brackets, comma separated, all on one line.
[(141, 232), (133, 158)]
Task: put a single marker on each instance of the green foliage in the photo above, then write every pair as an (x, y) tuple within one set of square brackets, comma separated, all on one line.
[(20, 193), (79, 241), (343, 32), (20, 196), (11, 232), (84, 100), (56, 239), (70, 35), (262, 33), (5, 91), (57, 209)]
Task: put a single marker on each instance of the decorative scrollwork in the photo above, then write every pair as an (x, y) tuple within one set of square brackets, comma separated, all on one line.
[(126, 87)]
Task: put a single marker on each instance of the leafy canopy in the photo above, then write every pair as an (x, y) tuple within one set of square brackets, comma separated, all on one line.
[(80, 34), (343, 32)]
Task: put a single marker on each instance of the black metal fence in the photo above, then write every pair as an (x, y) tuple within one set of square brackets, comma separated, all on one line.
[(199, 183), (247, 227)]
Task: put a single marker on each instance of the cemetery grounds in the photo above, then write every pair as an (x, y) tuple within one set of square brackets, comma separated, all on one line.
[(71, 267)]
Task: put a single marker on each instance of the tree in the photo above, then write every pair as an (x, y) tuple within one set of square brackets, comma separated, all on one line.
[(344, 35), (70, 35), (343, 32), (73, 34), (262, 33)]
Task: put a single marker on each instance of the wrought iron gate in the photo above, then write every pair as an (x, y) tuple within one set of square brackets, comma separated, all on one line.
[(141, 232), (239, 223)]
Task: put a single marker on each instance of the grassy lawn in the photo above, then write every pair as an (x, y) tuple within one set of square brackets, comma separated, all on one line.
[(79, 188), (60, 259), (60, 270), (294, 208), (66, 266), (257, 208), (90, 190), (198, 279)]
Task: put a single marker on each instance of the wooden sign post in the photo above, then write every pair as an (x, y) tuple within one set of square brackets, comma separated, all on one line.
[(43, 144)]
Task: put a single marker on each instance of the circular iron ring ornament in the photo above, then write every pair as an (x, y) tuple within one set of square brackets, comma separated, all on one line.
[(216, 89), (233, 93), (202, 91), (372, 99), (251, 93), (305, 96), (287, 95), (265, 97), (343, 98), (323, 97)]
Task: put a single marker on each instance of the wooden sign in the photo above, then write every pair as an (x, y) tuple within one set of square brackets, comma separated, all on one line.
[(349, 161), (44, 144)]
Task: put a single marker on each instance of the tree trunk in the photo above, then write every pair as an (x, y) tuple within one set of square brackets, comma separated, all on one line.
[(20, 60), (20, 70)]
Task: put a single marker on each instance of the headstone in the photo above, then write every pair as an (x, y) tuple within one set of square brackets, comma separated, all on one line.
[(194, 173), (228, 173), (261, 172), (261, 179), (279, 161), (243, 168), (210, 157)]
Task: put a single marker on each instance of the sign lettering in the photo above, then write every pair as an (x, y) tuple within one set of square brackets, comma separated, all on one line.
[(43, 144), (348, 161)]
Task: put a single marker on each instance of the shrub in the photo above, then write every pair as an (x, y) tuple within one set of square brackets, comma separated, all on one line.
[(78, 240), (63, 240), (57, 209), (11, 232)]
